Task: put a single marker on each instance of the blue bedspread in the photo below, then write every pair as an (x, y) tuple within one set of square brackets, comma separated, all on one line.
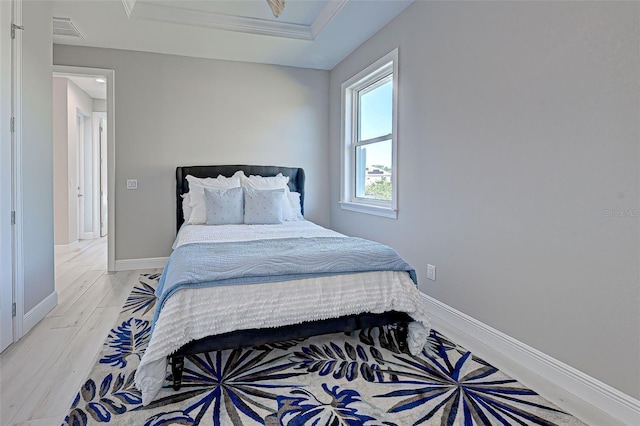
[(263, 261)]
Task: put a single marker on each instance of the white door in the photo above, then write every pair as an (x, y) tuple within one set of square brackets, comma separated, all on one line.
[(102, 135), (6, 252), (11, 289), (80, 174)]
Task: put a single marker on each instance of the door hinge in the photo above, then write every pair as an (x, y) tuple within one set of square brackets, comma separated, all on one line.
[(15, 27), (13, 218), (13, 310), (12, 124)]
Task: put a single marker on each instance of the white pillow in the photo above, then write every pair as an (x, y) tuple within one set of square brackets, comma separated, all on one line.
[(220, 182), (263, 206), (294, 205), (186, 207), (196, 189), (272, 182)]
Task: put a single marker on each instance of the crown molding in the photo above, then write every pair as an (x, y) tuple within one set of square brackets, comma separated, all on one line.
[(326, 15), (128, 6), (178, 15)]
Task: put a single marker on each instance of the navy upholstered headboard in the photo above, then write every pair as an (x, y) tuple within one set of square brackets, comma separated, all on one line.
[(296, 179)]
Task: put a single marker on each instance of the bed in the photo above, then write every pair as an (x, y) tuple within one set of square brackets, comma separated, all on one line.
[(175, 336)]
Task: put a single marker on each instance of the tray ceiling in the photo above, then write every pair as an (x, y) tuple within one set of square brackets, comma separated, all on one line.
[(308, 33)]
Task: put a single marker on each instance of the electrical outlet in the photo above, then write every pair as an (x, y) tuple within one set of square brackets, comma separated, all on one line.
[(132, 183), (431, 272)]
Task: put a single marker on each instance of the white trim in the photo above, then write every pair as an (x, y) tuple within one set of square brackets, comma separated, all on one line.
[(199, 18), (369, 209), (66, 248), (61, 70), (18, 251), (148, 263), (95, 146), (128, 6), (585, 397), (243, 24), (6, 242), (101, 118), (325, 16), (95, 126), (349, 139), (35, 315), (111, 170)]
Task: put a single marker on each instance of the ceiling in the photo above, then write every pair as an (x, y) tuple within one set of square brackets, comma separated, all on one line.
[(309, 33), (93, 88)]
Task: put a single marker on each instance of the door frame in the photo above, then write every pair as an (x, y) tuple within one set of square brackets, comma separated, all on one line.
[(109, 74), (100, 120), (10, 62)]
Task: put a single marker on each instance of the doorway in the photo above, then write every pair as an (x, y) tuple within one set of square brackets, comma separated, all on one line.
[(75, 161), (93, 189)]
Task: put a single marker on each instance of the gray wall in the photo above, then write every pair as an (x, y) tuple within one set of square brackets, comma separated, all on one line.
[(37, 152), (518, 148), (173, 111)]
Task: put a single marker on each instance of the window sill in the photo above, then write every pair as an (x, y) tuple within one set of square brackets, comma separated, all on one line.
[(369, 209)]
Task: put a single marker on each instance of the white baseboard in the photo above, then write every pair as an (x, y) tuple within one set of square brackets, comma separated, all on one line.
[(38, 312), (148, 263), (587, 398), (88, 236), (65, 248)]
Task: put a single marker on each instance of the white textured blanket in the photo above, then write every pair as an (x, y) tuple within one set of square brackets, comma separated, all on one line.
[(191, 234), (189, 314)]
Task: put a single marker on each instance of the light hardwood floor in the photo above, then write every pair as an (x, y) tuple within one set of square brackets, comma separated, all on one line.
[(42, 372)]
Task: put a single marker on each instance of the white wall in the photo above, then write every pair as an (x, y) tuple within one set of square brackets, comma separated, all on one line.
[(68, 101), (60, 162), (99, 105), (177, 111), (518, 140), (37, 152)]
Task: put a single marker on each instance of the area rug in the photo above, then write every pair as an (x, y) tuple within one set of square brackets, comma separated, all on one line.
[(362, 378)]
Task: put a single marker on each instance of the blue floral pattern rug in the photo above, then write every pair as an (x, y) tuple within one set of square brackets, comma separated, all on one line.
[(362, 378)]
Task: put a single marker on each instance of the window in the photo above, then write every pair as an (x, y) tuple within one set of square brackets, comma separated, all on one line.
[(369, 162)]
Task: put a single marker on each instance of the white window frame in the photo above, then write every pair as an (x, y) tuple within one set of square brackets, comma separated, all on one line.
[(386, 65)]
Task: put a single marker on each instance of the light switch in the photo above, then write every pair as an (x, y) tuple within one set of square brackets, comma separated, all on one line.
[(132, 183), (431, 272)]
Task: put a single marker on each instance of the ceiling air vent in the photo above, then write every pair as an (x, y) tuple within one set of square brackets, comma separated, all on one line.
[(64, 27)]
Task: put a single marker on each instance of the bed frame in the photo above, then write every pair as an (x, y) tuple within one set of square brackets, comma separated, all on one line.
[(255, 337)]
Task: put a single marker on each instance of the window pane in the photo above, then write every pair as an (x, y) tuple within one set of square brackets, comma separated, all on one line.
[(375, 112), (373, 170)]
